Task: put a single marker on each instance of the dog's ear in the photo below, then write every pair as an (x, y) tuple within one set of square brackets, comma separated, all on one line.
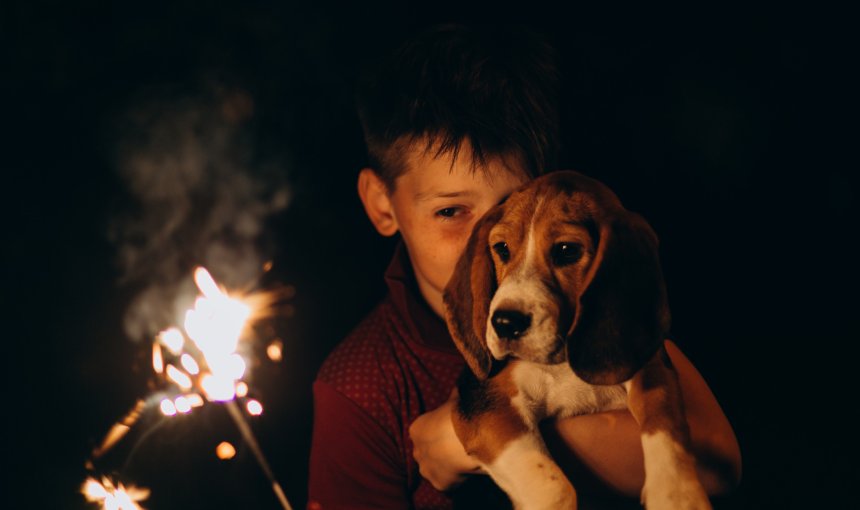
[(622, 314), (467, 297)]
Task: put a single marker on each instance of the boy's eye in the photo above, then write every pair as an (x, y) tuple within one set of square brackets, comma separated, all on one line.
[(448, 212)]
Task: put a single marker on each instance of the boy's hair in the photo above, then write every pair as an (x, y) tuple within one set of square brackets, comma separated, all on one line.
[(493, 87)]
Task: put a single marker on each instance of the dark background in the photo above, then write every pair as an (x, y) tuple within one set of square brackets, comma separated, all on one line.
[(730, 129)]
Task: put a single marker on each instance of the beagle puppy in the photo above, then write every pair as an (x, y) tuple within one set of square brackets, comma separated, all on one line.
[(559, 307)]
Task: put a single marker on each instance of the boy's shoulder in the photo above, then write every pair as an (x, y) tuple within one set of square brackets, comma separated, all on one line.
[(362, 367), (363, 348)]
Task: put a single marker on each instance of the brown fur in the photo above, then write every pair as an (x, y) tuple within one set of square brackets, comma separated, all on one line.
[(654, 401), (497, 416)]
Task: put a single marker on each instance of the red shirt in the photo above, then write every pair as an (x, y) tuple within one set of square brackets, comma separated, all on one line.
[(397, 364)]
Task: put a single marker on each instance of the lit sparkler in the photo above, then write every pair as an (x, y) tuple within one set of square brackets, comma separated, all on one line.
[(113, 496), (203, 362)]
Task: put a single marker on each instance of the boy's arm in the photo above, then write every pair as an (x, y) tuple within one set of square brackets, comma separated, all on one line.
[(442, 461), (608, 444), (353, 461)]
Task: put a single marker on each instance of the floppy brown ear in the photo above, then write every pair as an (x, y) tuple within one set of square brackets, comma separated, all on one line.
[(467, 297), (622, 316)]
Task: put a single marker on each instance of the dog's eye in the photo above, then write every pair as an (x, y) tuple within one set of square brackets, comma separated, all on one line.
[(502, 251), (565, 253)]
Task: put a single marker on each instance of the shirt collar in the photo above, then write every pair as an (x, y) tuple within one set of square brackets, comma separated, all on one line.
[(428, 328)]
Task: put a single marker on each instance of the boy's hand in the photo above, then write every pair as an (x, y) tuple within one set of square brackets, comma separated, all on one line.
[(439, 453)]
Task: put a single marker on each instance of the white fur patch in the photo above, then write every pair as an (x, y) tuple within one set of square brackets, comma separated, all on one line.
[(533, 481), (554, 390), (670, 475), (531, 243)]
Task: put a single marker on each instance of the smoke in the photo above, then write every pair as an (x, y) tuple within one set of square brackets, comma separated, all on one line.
[(198, 193)]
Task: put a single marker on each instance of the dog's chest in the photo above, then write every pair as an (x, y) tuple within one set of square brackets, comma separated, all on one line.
[(554, 390)]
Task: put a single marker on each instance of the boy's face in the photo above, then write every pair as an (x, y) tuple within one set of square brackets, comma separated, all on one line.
[(435, 205)]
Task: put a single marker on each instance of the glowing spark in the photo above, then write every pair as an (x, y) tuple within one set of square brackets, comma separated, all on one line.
[(182, 404), (255, 408), (167, 407), (172, 338), (218, 389), (232, 366), (225, 451), (189, 364), (157, 359), (120, 429), (195, 400), (113, 497), (179, 377), (241, 389), (275, 350), (206, 283), (215, 325)]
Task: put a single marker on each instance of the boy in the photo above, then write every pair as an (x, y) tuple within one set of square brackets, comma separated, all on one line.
[(454, 122)]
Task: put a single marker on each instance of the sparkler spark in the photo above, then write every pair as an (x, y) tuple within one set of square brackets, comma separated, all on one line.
[(210, 360), (172, 338), (225, 451), (119, 429), (254, 407), (113, 496), (168, 408), (275, 350)]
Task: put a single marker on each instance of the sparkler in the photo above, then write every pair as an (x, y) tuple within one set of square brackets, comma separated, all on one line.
[(113, 496), (201, 364)]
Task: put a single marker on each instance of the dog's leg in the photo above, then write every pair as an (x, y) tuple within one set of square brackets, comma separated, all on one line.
[(654, 399), (532, 479), (520, 465), (509, 446)]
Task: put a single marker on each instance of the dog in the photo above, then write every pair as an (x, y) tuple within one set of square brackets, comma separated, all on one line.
[(559, 308)]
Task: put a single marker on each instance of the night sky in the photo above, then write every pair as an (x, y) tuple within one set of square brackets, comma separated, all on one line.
[(728, 129)]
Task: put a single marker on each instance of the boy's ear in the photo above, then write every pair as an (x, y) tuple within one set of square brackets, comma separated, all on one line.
[(377, 203)]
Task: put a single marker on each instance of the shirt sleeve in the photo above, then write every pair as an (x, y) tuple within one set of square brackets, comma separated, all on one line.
[(354, 462)]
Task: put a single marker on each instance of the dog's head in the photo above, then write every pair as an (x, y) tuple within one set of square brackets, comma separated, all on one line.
[(560, 272)]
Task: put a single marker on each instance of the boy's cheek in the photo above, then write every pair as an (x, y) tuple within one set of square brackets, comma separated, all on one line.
[(453, 243)]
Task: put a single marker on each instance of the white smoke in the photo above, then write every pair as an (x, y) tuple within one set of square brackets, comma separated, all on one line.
[(198, 194)]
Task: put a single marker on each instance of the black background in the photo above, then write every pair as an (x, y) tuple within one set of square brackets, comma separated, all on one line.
[(729, 129)]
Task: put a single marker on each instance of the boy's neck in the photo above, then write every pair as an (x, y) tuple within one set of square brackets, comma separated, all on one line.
[(432, 297)]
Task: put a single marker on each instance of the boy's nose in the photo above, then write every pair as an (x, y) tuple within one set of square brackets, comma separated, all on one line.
[(510, 324)]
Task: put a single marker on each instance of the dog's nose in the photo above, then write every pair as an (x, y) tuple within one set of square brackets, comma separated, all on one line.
[(510, 324)]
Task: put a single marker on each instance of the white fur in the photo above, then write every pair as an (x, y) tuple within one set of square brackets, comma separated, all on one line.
[(555, 391), (530, 477), (670, 475)]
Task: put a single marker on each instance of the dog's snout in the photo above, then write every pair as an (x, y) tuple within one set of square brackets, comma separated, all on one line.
[(510, 324)]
